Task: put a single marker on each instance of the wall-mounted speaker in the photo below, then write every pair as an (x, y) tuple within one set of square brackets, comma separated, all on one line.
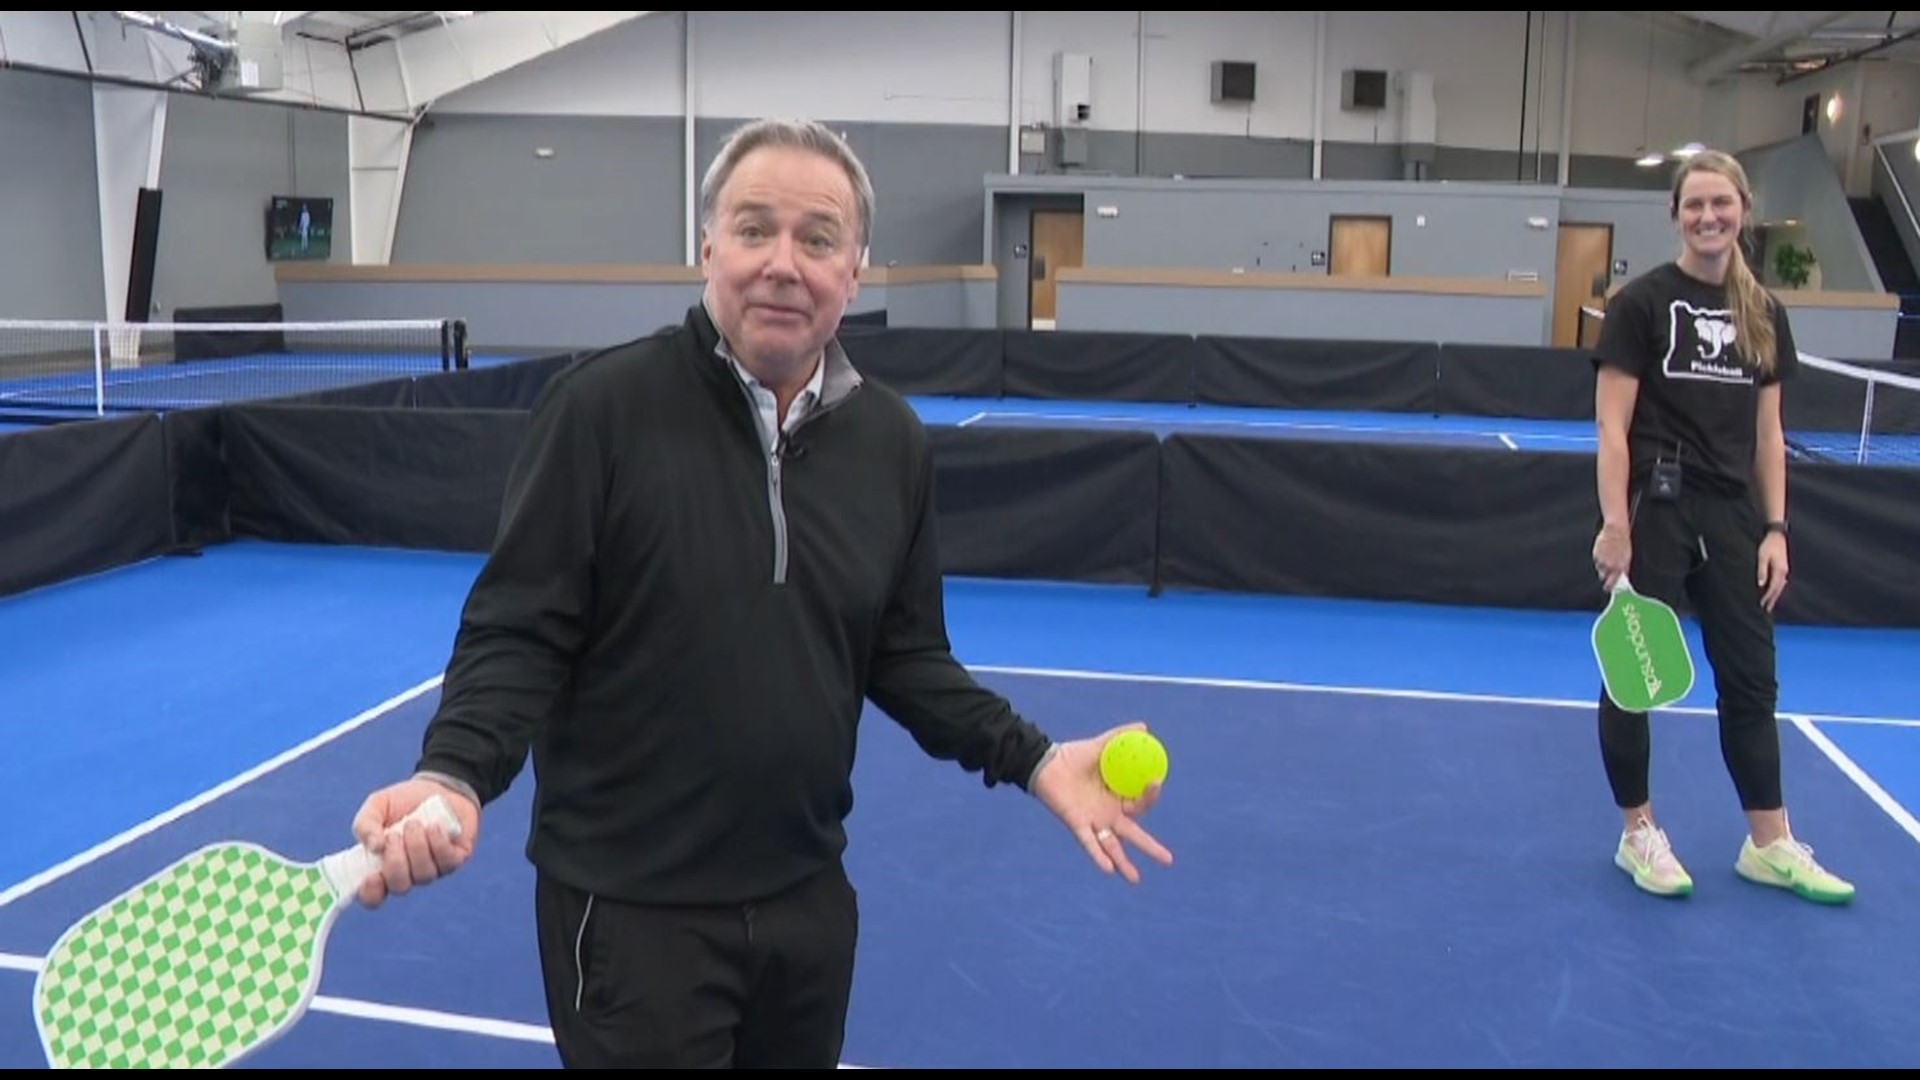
[(1232, 80), (146, 246), (1363, 90)]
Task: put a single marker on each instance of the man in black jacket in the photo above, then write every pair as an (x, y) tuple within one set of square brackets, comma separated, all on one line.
[(717, 543)]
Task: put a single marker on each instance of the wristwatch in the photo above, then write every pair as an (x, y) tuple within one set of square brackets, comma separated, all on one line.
[(1777, 527)]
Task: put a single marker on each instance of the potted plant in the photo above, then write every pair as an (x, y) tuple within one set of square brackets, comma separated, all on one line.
[(1794, 264)]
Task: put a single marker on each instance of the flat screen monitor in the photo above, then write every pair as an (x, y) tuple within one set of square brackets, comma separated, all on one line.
[(299, 228)]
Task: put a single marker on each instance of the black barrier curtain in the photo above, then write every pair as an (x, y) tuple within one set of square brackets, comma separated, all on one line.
[(925, 360), (1386, 521), (500, 386), (1382, 376), (413, 478), (1854, 554), (197, 476), (1077, 366), (1058, 505), (1397, 522), (385, 394), (189, 345), (82, 497), (1514, 380)]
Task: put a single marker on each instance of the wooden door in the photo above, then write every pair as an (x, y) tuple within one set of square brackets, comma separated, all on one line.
[(1057, 239), (1360, 247), (1580, 275)]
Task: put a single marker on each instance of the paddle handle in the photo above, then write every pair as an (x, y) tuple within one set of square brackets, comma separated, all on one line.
[(345, 870), (1621, 584)]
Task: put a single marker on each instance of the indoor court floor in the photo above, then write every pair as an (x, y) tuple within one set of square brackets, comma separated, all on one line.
[(1393, 838)]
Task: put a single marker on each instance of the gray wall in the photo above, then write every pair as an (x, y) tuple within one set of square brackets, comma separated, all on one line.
[(1469, 230), (968, 304), (221, 162), (1588, 171), (50, 259), (1795, 179), (613, 189), (1277, 226), (476, 193), (528, 317), (1844, 333), (612, 192), (1150, 154), (926, 180), (1361, 161), (1302, 313), (536, 318)]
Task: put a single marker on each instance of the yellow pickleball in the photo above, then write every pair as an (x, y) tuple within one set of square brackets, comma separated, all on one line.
[(1131, 761)]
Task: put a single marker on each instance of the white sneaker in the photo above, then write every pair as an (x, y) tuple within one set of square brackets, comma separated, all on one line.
[(1645, 853), (1788, 864)]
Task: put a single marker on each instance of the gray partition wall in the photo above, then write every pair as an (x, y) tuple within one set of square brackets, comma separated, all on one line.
[(50, 213), (482, 189)]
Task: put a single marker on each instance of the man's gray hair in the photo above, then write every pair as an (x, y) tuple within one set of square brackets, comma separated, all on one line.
[(799, 134)]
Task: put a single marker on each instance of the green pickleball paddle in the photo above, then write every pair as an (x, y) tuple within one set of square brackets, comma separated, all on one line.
[(201, 964), (1642, 651)]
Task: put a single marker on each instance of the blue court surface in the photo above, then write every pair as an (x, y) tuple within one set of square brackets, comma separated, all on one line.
[(1173, 418), (1425, 429), (1392, 833), (25, 403)]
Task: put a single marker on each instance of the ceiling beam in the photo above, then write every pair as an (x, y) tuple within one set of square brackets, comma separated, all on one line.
[(1729, 60)]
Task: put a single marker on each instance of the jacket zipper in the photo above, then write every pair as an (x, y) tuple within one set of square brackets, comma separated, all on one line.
[(776, 485)]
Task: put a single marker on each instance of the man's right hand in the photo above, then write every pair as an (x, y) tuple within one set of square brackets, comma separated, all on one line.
[(419, 855)]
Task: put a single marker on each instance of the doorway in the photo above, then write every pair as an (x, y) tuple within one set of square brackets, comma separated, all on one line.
[(1581, 272), (1360, 246), (1057, 241)]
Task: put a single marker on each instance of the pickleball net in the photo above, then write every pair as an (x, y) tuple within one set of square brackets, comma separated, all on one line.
[(102, 367), (1853, 413)]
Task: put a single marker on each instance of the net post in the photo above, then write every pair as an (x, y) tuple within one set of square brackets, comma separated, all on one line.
[(1866, 425), (455, 355), (99, 372)]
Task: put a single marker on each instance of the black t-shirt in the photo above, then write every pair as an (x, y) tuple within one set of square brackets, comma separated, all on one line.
[(1699, 391)]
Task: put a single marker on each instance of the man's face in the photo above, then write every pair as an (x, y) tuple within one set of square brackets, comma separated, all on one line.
[(782, 258)]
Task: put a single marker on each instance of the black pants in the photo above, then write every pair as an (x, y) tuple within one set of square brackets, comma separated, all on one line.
[(1702, 552), (761, 985)]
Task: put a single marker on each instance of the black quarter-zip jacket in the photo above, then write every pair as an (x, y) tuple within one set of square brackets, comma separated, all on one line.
[(683, 628)]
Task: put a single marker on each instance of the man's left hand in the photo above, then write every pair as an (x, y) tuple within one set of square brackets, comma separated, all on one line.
[(1103, 822)]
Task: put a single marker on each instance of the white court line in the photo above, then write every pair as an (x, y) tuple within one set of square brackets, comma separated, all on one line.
[(1508, 439), (433, 1019), (364, 1010), (1549, 437), (106, 847), (1887, 803), (971, 419), (368, 1010), (1803, 722), (505, 1029), (1303, 425), (1388, 692)]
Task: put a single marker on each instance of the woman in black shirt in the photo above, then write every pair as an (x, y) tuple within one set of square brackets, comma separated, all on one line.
[(1692, 480)]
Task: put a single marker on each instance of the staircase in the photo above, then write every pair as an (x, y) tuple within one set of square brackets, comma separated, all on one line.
[(1896, 270)]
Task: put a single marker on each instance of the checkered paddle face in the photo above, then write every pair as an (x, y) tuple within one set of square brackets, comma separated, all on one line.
[(190, 970)]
